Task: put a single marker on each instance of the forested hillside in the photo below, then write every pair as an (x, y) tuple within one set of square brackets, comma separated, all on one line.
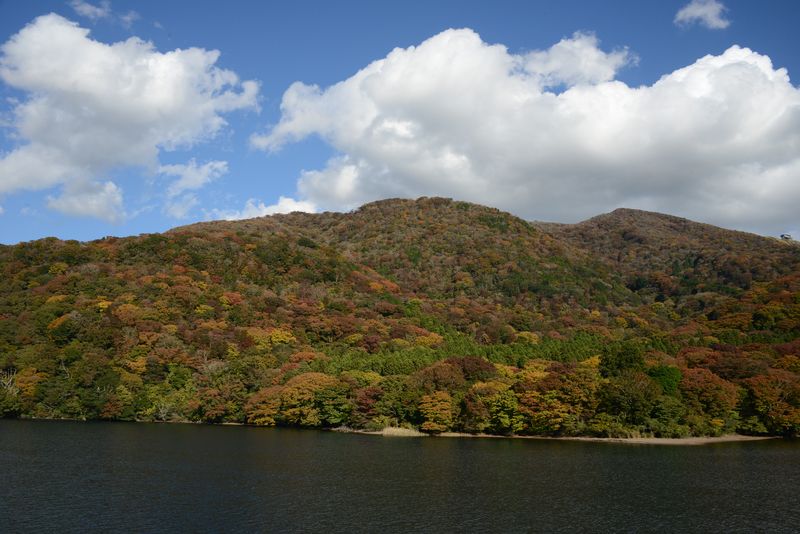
[(441, 315)]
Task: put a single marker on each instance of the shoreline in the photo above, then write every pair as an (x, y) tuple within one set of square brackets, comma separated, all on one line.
[(400, 432), (397, 432)]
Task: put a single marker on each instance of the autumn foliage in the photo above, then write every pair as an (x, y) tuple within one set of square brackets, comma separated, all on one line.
[(433, 314)]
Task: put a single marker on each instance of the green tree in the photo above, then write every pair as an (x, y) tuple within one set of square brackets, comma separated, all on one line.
[(621, 356)]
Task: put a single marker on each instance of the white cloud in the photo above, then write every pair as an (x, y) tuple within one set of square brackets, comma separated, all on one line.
[(103, 11), (574, 61), (91, 199), (93, 107), (127, 19), (192, 176), (709, 13), (718, 140), (254, 208), (180, 207), (91, 11)]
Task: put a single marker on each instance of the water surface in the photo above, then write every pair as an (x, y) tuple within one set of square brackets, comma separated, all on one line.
[(78, 477)]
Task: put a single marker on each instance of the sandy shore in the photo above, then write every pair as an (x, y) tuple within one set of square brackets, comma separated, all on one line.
[(411, 433)]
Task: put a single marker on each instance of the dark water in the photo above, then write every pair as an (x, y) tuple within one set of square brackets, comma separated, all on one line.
[(111, 477)]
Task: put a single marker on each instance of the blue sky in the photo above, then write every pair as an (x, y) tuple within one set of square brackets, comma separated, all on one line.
[(550, 110)]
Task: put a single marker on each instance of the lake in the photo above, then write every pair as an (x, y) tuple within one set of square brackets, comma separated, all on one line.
[(78, 477)]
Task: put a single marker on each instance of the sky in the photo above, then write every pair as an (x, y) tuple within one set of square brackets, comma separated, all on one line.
[(120, 118)]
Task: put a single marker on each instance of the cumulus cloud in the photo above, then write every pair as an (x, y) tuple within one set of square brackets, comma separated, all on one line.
[(254, 208), (92, 107), (718, 140), (91, 199), (574, 61), (709, 13)]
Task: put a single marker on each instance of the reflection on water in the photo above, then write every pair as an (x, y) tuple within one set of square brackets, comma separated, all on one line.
[(62, 476)]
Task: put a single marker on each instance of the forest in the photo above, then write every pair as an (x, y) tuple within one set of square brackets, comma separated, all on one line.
[(430, 314)]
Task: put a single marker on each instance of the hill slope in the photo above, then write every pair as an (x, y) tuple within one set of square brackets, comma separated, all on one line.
[(676, 256), (438, 314)]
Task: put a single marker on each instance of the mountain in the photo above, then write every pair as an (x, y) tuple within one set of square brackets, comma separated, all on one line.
[(432, 313), (675, 256)]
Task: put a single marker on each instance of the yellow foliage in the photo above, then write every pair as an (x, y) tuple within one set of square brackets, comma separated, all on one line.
[(264, 406), (55, 298), (55, 323), (362, 378), (230, 299), (148, 337), (130, 380), (537, 365), (211, 324), (375, 287), (266, 339), (297, 398), (506, 371), (489, 389), (58, 268), (104, 304), (204, 310), (593, 362), (127, 313), (528, 337), (534, 371), (430, 340), (137, 365), (278, 335), (27, 380), (182, 281), (437, 412)]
